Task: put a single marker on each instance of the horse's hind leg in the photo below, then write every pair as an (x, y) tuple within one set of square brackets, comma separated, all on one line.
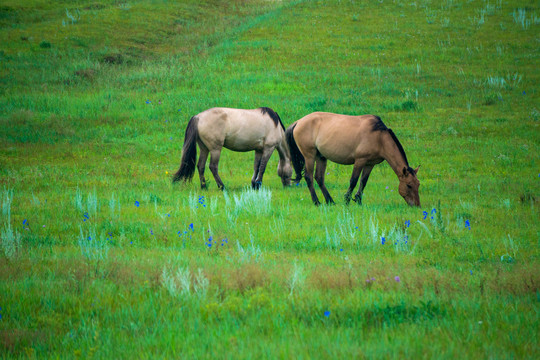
[(214, 162), (308, 175), (202, 164), (363, 182), (319, 176)]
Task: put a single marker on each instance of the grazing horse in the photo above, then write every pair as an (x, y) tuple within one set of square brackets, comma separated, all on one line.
[(238, 130), (363, 141)]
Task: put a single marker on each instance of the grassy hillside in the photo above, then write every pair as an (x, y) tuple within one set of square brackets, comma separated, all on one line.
[(101, 256)]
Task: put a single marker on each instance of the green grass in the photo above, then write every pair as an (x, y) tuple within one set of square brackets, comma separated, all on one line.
[(95, 97)]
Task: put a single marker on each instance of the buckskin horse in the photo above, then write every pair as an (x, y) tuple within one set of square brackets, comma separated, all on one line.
[(241, 130), (363, 141)]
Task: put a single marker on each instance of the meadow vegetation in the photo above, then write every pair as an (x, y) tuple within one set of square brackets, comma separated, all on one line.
[(102, 257)]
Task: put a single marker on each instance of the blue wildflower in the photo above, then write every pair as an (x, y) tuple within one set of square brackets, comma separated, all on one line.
[(24, 222), (327, 313), (470, 271), (468, 224), (425, 213), (407, 223), (191, 226), (86, 216), (383, 240), (148, 101), (137, 203)]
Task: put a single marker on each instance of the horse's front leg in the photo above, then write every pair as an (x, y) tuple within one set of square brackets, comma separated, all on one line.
[(256, 164), (363, 181), (357, 169), (265, 156)]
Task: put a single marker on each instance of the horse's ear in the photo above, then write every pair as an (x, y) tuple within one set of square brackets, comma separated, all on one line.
[(416, 170)]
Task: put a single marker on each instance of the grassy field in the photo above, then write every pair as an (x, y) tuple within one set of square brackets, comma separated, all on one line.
[(102, 257)]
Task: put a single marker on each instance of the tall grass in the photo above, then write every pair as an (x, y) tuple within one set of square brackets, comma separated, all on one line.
[(11, 238)]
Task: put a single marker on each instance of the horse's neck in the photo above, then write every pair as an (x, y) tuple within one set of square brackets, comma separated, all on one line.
[(283, 149), (393, 156)]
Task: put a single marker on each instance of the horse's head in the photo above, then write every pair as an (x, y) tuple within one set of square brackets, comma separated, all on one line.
[(284, 171), (408, 186)]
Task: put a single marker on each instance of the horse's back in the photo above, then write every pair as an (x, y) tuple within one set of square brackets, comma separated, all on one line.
[(237, 129), (339, 138)]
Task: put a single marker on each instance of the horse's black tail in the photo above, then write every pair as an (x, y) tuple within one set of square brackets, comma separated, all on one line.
[(189, 152), (297, 159)]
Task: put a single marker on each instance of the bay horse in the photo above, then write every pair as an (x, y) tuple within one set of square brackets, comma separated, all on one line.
[(363, 141), (240, 130)]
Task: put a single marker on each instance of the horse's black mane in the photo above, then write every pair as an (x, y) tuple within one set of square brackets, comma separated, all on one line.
[(273, 115), (380, 126), (400, 149)]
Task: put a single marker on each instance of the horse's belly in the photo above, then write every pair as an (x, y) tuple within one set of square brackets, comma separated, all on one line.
[(340, 153), (337, 157), (242, 145)]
